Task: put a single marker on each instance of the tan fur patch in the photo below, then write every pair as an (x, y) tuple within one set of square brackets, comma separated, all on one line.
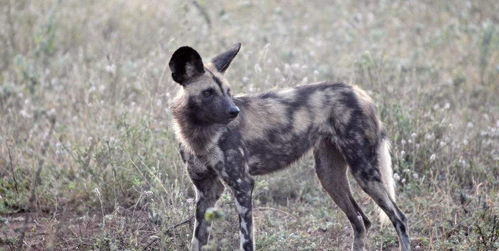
[(287, 94), (369, 109), (322, 104), (342, 115), (200, 84), (301, 120), (362, 95), (262, 115)]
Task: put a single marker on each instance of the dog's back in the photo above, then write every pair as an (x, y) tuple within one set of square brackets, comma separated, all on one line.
[(279, 127)]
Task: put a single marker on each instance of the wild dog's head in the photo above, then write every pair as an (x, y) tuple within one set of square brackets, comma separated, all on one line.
[(205, 93)]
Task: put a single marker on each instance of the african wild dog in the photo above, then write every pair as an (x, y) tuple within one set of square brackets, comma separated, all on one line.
[(230, 138)]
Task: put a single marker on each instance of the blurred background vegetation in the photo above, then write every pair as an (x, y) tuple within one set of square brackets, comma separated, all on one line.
[(88, 159)]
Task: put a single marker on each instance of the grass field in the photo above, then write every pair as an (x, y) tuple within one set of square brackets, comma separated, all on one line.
[(88, 158)]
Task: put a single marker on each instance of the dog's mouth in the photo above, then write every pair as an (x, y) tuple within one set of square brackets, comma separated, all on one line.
[(229, 119)]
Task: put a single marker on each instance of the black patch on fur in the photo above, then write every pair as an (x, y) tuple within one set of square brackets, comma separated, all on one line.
[(269, 95), (182, 153), (234, 162), (219, 83), (194, 112), (401, 227), (275, 153)]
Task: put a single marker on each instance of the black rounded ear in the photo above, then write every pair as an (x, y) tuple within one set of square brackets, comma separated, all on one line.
[(185, 64), (222, 61)]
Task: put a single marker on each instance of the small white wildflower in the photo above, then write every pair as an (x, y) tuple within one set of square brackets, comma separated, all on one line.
[(403, 180), (413, 135), (442, 143), (433, 157), (402, 153), (396, 177), (148, 193), (465, 142), (51, 112), (82, 218), (258, 69), (462, 162), (111, 68), (402, 142), (59, 149), (25, 114), (430, 136), (96, 191), (190, 200), (469, 125), (446, 106), (415, 175)]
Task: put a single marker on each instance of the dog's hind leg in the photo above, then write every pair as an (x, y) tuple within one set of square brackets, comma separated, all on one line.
[(367, 172), (377, 191), (331, 169), (208, 190)]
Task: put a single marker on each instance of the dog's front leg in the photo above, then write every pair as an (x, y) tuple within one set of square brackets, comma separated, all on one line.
[(235, 175), (242, 194), (208, 190)]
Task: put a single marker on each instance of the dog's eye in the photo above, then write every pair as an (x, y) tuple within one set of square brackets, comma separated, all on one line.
[(209, 92)]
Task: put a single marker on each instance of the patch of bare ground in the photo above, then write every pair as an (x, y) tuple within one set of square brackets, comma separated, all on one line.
[(69, 231)]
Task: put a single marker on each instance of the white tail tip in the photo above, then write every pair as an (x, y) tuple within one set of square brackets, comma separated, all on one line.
[(385, 167)]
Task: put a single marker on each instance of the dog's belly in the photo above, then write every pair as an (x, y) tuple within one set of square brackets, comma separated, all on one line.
[(275, 153)]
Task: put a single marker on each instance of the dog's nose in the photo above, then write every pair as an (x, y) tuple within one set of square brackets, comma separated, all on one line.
[(233, 112)]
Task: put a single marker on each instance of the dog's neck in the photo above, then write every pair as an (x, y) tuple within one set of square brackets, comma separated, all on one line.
[(197, 138)]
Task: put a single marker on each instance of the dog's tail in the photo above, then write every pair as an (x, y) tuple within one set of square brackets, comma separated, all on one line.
[(385, 167)]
